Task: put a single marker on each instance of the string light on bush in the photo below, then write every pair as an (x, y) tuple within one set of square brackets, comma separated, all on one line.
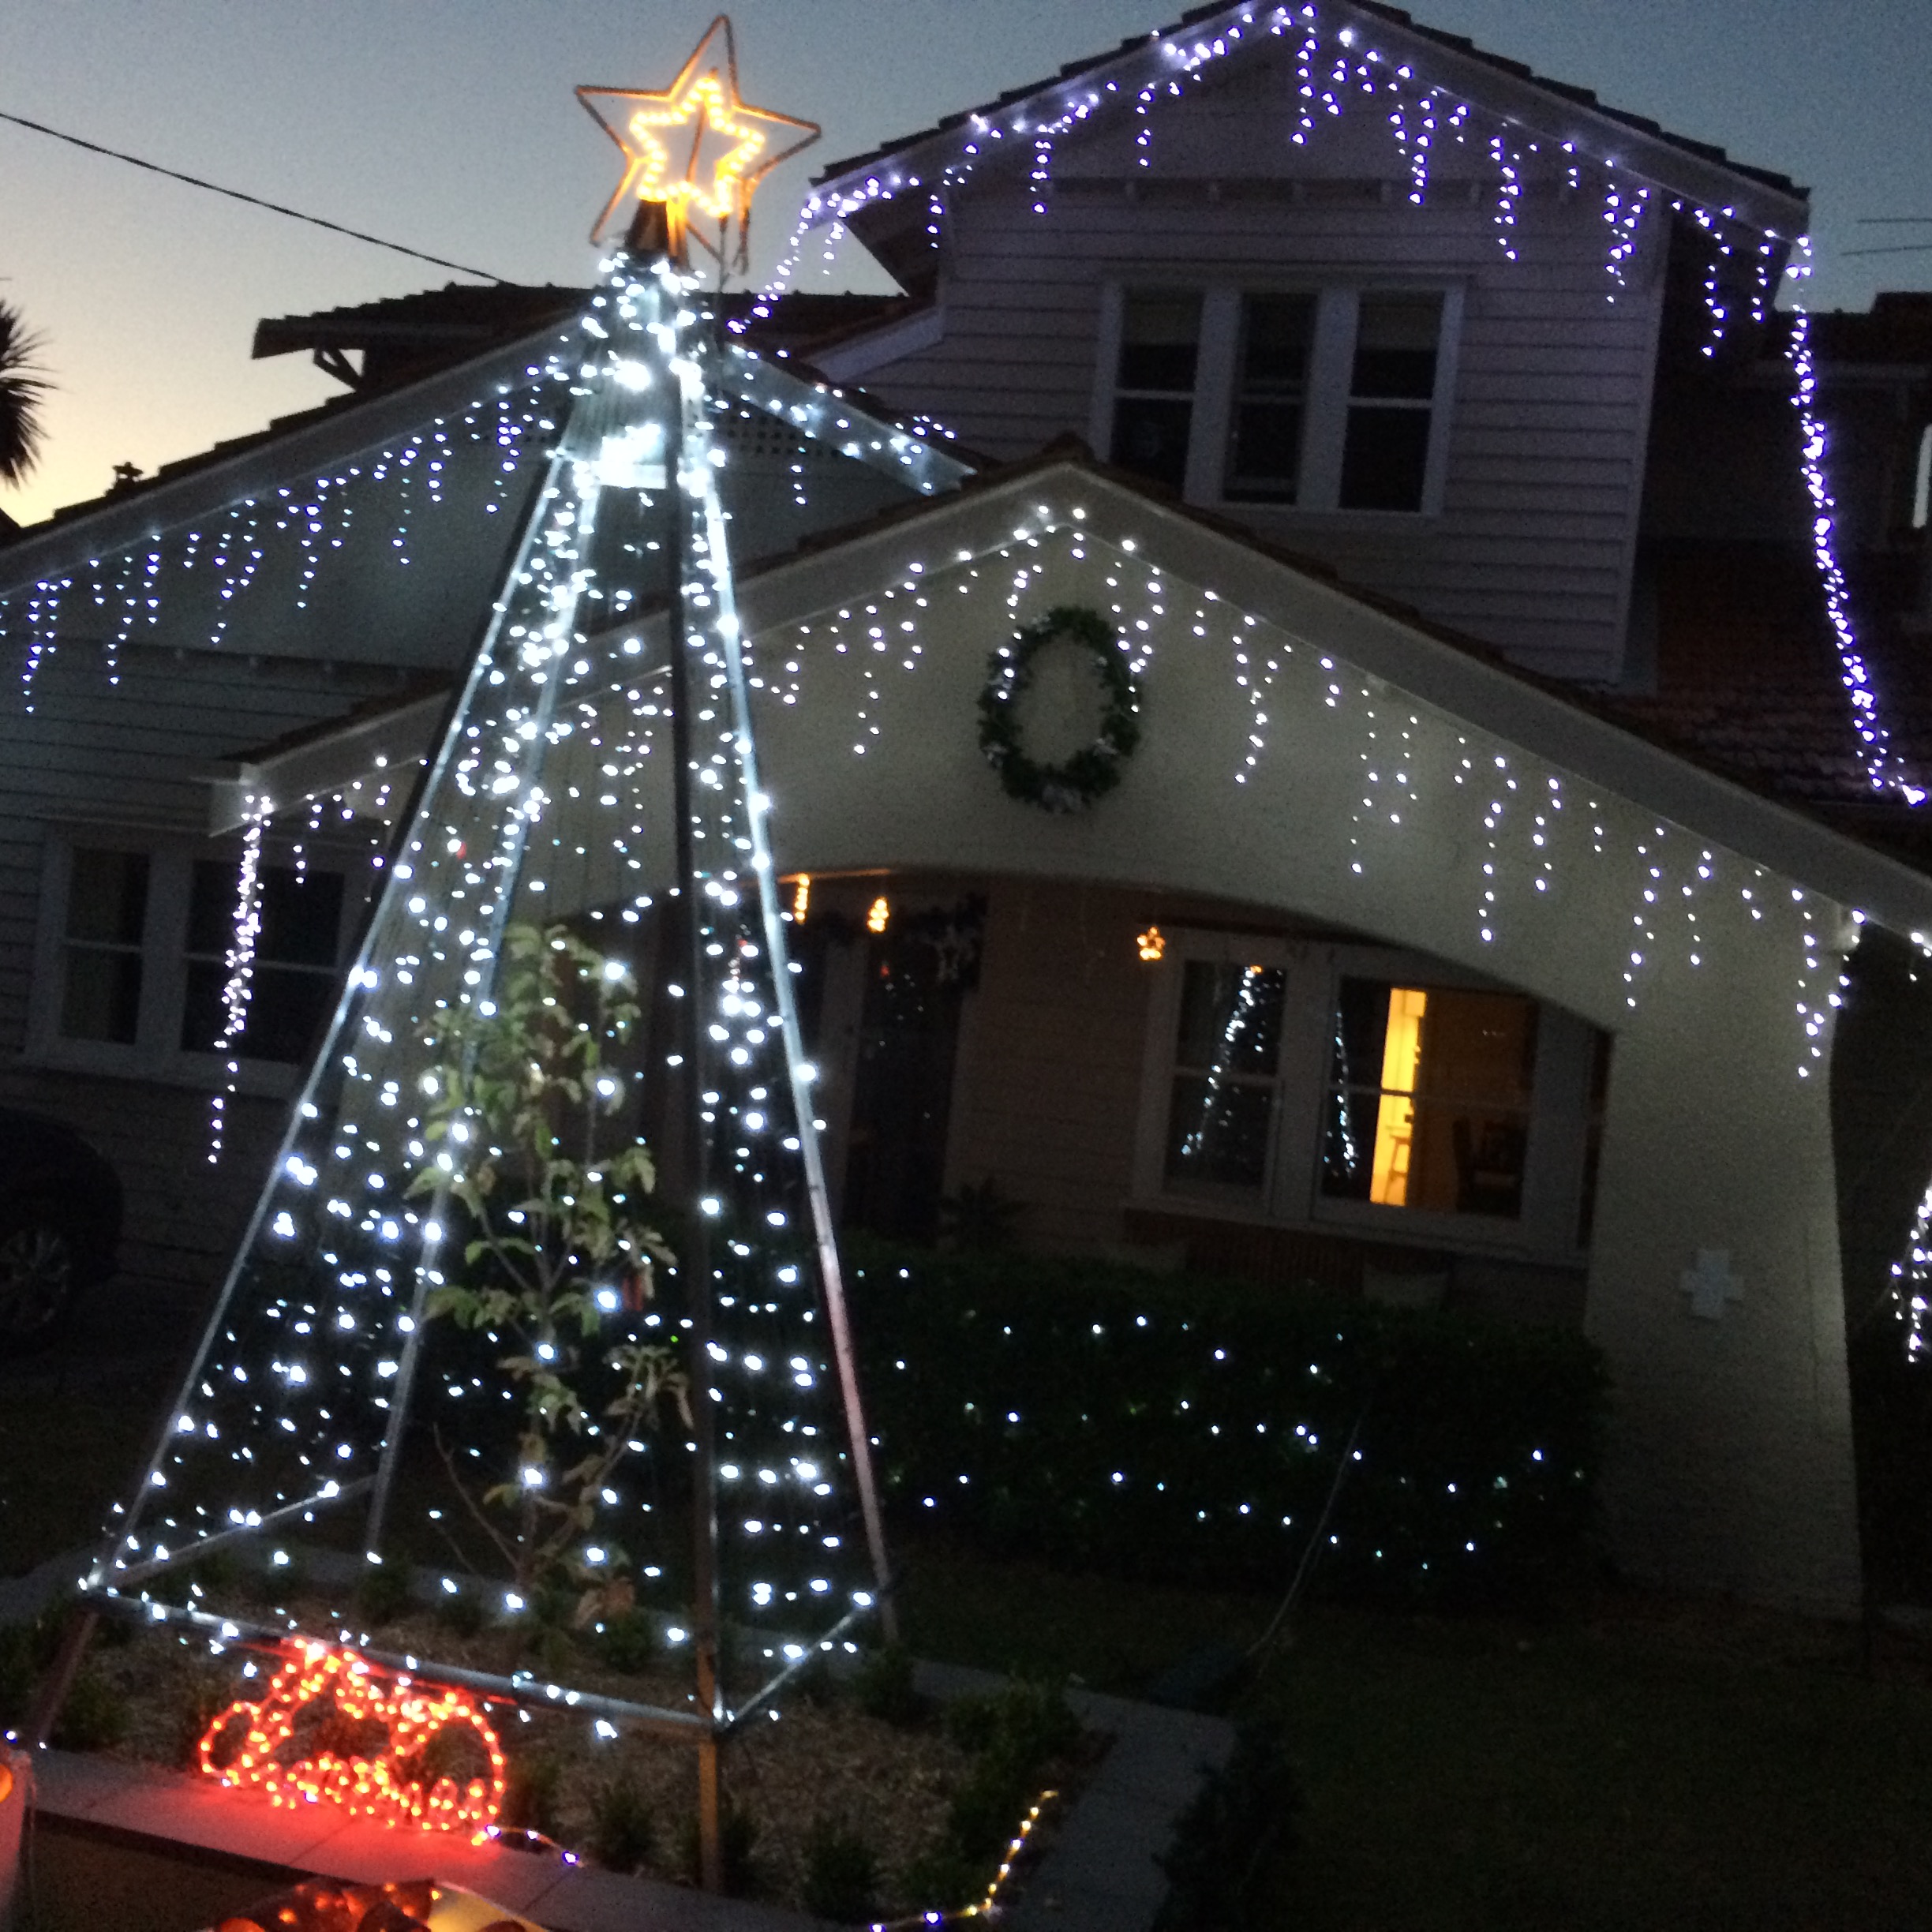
[(393, 1781), (1911, 1284)]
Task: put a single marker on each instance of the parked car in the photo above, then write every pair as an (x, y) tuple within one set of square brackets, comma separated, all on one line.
[(60, 1225)]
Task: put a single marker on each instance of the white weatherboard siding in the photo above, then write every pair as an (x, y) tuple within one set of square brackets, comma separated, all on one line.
[(1549, 419), (1732, 1464), (130, 765)]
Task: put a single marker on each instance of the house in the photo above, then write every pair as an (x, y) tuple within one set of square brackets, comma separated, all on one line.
[(1447, 936)]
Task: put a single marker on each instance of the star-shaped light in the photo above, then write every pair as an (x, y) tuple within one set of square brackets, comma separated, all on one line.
[(663, 137)]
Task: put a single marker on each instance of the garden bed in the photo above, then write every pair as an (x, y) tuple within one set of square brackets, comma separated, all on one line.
[(862, 1798)]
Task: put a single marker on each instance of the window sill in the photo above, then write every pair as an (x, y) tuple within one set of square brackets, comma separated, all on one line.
[(1478, 1236), (1304, 515)]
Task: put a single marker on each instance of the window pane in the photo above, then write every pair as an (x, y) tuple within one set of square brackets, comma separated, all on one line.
[(100, 998), (301, 912), (107, 896), (1430, 1099), (1230, 1018), (1264, 459), (286, 1013), (1217, 1132), (287, 1008), (1384, 458), (1151, 438), (211, 905), (1276, 331), (1158, 334), (1265, 463), (1395, 341), (1592, 1137), (300, 916)]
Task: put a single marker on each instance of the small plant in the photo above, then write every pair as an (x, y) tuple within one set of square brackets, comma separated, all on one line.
[(274, 1583), (1029, 1722), (738, 1845), (203, 1698), (1013, 1733), (841, 1873), (24, 1652), (1245, 1810), (460, 1612), (814, 1683), (621, 1828), (979, 1220), (93, 1716), (943, 1873), (885, 1688), (988, 1805), (384, 1592), (531, 1795), (628, 1642)]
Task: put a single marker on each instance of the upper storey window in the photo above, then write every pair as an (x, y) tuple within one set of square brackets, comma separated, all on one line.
[(1270, 398), (1317, 399), (1391, 401), (1154, 389)]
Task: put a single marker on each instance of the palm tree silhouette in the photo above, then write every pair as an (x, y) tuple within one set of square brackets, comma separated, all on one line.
[(22, 388)]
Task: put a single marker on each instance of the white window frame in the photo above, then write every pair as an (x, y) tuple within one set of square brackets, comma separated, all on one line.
[(155, 1054), (1290, 1194), (1330, 375)]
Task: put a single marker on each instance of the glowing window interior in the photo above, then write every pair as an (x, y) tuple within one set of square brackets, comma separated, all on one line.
[(1430, 1098)]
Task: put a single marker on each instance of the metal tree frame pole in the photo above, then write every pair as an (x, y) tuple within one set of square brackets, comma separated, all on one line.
[(695, 1265)]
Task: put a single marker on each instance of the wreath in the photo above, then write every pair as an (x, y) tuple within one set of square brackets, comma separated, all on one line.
[(1093, 770)]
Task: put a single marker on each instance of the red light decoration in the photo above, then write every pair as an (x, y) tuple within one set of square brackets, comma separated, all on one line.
[(330, 1729)]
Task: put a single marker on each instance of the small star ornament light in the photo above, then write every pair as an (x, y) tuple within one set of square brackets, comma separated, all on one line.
[(696, 148)]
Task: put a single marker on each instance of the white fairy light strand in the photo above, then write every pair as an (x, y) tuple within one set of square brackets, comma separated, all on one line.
[(238, 988), (1884, 769)]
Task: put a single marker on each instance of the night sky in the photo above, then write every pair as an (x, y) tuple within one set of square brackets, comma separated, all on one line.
[(450, 125)]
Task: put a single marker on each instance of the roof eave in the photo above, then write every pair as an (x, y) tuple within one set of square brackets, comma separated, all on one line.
[(1524, 101), (150, 514), (1484, 691)]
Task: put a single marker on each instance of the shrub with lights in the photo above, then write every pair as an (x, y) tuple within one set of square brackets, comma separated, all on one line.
[(1089, 1413)]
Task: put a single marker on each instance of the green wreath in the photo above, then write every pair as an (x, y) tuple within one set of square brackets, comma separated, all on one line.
[(1093, 770)]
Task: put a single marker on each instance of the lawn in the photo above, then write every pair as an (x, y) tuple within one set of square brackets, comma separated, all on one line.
[(1635, 1763)]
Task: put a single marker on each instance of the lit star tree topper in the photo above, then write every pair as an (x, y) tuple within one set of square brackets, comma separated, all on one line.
[(695, 149)]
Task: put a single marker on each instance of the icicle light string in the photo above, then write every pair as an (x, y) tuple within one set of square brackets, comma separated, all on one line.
[(239, 987), (315, 518), (1884, 768), (1526, 822), (1330, 65)]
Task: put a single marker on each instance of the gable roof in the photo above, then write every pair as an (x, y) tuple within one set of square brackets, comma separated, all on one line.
[(1698, 170), (296, 447)]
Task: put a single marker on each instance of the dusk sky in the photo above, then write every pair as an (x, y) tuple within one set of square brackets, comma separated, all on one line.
[(450, 125)]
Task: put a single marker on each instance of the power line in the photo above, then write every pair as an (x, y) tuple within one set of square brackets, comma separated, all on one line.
[(235, 194), (1901, 248)]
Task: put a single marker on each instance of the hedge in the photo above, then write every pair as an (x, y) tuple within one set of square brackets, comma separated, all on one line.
[(1091, 1414)]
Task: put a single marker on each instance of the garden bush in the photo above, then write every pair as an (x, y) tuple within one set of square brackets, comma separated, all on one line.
[(1089, 1413)]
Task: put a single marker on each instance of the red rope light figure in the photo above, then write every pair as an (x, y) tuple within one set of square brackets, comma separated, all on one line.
[(329, 1727)]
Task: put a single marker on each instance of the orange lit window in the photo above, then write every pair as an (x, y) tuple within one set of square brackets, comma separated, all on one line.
[(1430, 1097)]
